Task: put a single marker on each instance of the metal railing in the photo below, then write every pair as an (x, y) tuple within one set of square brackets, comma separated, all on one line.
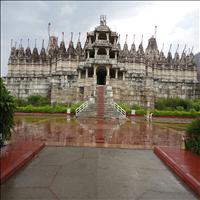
[(81, 107), (119, 109)]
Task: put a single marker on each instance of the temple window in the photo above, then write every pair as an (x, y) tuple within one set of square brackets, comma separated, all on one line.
[(102, 51), (90, 72), (112, 54), (112, 73), (102, 36), (91, 54)]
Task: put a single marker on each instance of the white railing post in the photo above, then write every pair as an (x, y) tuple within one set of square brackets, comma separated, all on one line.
[(81, 108), (119, 109)]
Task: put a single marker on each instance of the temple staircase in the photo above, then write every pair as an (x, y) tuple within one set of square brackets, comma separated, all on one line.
[(103, 107)]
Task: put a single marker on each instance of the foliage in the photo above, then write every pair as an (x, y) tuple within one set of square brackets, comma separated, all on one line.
[(47, 108), (180, 108), (125, 107), (136, 107), (21, 102), (42, 109), (75, 106), (193, 136), (176, 113), (141, 112), (7, 107), (37, 100), (163, 103)]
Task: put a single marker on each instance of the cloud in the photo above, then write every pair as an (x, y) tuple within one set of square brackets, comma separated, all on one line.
[(178, 22)]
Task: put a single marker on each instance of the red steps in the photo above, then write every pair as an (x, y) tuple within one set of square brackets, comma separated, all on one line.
[(100, 114), (100, 104)]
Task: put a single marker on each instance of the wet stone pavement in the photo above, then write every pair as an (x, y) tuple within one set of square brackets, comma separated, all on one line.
[(60, 131), (78, 173)]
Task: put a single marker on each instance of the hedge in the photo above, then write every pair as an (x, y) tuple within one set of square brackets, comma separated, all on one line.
[(47, 108), (193, 136)]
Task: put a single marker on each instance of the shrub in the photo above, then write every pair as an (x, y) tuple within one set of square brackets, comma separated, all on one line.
[(7, 107), (180, 108), (173, 103), (141, 112), (43, 109), (37, 100), (125, 107), (196, 105), (136, 107), (193, 136), (75, 106), (21, 102)]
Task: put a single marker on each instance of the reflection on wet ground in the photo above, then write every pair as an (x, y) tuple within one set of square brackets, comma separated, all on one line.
[(63, 131)]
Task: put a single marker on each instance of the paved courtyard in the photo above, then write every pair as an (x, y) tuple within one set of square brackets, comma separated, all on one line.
[(95, 173)]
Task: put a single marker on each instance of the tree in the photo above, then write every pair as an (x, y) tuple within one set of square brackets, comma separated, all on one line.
[(7, 108), (193, 136)]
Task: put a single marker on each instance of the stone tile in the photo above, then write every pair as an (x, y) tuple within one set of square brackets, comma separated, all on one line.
[(10, 193), (36, 176), (57, 156)]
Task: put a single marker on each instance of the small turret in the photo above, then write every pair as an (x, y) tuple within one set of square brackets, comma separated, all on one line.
[(62, 49), (169, 56), (161, 58), (183, 57), (176, 57), (78, 46), (28, 53), (71, 52), (140, 51), (191, 61), (43, 55), (133, 49), (21, 54), (125, 51), (12, 56), (35, 55)]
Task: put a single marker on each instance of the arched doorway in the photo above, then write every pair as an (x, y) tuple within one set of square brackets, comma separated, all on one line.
[(101, 76)]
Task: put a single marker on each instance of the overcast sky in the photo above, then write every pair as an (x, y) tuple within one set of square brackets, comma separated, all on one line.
[(177, 22)]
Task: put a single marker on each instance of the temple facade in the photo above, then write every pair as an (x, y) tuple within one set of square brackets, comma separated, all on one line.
[(72, 74)]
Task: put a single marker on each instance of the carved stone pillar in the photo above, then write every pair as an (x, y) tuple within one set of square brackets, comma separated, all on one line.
[(86, 73), (108, 71), (107, 36), (95, 69), (115, 41), (79, 74), (88, 55), (90, 40), (116, 73), (97, 35), (115, 55), (123, 76), (95, 52), (107, 51)]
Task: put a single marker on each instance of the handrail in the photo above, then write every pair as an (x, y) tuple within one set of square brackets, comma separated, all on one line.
[(81, 107), (119, 109)]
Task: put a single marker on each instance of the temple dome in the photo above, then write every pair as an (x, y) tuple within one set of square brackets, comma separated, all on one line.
[(103, 28)]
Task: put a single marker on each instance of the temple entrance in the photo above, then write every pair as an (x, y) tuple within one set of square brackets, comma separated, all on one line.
[(101, 76)]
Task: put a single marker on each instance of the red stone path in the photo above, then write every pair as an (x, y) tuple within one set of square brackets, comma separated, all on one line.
[(16, 155), (100, 115), (184, 163)]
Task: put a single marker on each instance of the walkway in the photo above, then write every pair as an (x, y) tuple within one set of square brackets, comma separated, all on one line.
[(95, 173)]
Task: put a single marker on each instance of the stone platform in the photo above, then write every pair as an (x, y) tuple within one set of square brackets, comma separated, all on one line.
[(15, 155), (95, 173), (184, 163)]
